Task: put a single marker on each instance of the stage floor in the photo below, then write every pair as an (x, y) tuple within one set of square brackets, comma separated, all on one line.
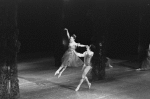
[(37, 81)]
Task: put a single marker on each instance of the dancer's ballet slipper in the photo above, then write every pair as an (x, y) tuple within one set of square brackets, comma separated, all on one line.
[(59, 75), (57, 72), (77, 89)]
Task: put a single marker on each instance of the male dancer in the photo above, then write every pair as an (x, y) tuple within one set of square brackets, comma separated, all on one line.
[(86, 67)]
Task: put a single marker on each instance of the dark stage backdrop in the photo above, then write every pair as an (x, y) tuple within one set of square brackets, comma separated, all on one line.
[(40, 21), (123, 26)]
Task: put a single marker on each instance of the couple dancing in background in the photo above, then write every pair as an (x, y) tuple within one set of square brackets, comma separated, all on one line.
[(71, 59)]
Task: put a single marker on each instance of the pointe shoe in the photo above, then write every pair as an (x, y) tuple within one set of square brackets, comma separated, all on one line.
[(77, 89), (89, 85), (57, 72), (59, 75)]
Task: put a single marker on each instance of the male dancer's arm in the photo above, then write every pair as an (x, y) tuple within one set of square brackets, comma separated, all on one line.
[(81, 45), (80, 55)]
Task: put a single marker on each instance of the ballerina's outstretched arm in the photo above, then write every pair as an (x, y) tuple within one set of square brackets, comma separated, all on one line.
[(67, 33)]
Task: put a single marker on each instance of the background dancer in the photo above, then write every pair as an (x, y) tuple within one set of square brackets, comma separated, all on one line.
[(70, 58), (109, 63), (146, 63), (86, 67)]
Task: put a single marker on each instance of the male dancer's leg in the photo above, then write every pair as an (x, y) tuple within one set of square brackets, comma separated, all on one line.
[(81, 81), (89, 84), (86, 70)]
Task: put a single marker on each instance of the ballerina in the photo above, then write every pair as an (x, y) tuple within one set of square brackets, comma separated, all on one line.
[(70, 58), (86, 67)]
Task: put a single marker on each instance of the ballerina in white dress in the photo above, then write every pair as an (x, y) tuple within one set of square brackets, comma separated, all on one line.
[(70, 58)]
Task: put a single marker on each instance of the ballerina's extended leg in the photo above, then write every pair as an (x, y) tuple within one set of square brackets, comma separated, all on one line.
[(62, 71), (60, 68)]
